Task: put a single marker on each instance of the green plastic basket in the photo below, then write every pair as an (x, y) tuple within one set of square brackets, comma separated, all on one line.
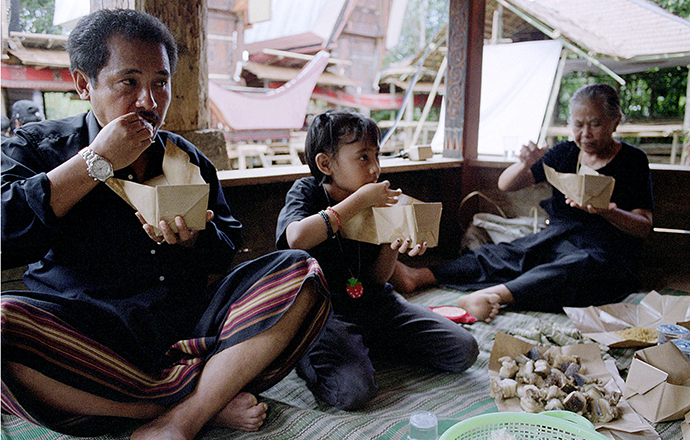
[(561, 425)]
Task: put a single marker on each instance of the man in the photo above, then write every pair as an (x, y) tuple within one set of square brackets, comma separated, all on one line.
[(25, 111), (118, 323), (5, 133)]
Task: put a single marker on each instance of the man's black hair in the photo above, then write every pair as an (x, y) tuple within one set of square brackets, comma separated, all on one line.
[(87, 44)]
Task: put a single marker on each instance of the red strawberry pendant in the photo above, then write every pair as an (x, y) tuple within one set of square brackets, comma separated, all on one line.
[(354, 288)]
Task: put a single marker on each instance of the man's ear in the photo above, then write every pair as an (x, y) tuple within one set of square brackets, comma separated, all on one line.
[(323, 162), (82, 84)]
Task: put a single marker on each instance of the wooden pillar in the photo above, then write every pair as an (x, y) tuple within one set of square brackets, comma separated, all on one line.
[(189, 113), (463, 81), (189, 109)]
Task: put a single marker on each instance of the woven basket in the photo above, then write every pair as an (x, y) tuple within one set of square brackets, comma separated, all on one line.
[(560, 425)]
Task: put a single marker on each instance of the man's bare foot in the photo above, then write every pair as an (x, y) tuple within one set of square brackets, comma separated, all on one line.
[(482, 305), (244, 412), (406, 279), (158, 429)]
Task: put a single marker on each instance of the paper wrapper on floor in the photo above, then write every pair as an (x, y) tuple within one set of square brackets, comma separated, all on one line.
[(408, 218), (658, 383), (605, 323), (583, 189), (180, 190)]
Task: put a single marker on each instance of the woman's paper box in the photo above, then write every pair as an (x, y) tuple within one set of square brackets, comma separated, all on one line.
[(180, 190), (658, 385), (408, 218), (583, 189)]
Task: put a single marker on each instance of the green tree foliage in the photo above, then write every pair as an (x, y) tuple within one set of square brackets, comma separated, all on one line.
[(36, 16), (436, 13), (653, 94)]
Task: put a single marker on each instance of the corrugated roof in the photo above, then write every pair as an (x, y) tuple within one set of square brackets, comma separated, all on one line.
[(623, 29)]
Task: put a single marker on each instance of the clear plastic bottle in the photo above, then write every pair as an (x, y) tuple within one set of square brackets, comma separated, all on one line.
[(423, 426)]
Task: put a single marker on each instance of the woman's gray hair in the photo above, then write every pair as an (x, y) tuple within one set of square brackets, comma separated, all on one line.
[(595, 92)]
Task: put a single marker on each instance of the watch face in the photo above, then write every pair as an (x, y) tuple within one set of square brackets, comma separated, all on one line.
[(101, 168)]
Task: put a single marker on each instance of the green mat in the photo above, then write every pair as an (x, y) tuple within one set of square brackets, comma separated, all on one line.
[(295, 414)]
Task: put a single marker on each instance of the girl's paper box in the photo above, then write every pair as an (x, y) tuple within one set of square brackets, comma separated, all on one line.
[(409, 217), (180, 190)]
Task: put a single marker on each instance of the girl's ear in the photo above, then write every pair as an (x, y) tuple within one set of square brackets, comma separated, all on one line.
[(323, 162)]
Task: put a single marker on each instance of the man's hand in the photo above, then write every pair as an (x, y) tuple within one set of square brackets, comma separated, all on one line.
[(184, 237), (124, 139)]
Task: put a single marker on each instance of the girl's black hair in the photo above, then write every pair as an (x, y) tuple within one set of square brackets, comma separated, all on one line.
[(334, 128)]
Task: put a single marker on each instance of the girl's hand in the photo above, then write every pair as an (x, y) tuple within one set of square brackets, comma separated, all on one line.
[(403, 246), (377, 194)]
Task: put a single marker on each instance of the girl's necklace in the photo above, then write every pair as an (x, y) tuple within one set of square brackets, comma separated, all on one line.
[(354, 287)]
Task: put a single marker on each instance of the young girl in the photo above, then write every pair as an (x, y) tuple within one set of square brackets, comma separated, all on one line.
[(342, 149)]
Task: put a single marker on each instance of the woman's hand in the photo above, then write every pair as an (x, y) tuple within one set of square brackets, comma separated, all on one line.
[(184, 237), (589, 208), (519, 175), (403, 246), (530, 154), (637, 222)]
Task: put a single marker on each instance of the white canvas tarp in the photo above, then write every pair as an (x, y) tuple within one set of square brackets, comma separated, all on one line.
[(516, 83)]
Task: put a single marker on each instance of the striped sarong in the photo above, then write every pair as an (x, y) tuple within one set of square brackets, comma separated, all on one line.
[(252, 298)]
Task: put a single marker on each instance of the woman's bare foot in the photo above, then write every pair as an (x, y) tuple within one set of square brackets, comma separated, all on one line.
[(406, 279), (244, 412), (482, 305)]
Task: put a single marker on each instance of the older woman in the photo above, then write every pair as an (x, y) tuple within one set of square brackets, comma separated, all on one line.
[(586, 256)]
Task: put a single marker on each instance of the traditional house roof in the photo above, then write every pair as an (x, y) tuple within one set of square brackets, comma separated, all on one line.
[(624, 35), (617, 36)]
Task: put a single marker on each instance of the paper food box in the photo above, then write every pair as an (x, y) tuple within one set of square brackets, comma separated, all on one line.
[(658, 383), (180, 190), (583, 189), (626, 325), (408, 218)]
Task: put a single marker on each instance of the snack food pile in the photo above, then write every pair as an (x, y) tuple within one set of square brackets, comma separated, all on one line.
[(554, 383)]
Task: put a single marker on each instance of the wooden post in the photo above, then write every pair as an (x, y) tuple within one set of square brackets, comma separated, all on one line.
[(463, 81), (189, 113)]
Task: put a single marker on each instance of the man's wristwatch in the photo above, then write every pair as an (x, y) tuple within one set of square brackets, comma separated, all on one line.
[(98, 166)]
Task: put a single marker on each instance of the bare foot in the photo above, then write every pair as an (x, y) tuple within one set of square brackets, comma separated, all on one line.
[(406, 279), (482, 305), (244, 412), (158, 430)]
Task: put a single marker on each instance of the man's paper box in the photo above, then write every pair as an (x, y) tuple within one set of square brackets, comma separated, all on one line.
[(658, 383), (604, 323), (180, 190), (408, 218), (583, 189)]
